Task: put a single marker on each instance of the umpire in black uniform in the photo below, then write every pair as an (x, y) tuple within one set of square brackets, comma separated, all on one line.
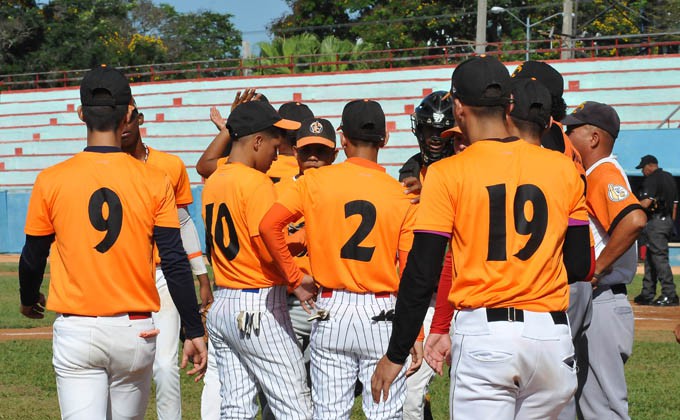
[(659, 197)]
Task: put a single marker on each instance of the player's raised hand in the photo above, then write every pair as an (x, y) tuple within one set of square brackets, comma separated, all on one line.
[(196, 351), (438, 351), (306, 292), (35, 311), (416, 358), (248, 95), (217, 119), (413, 186), (385, 373)]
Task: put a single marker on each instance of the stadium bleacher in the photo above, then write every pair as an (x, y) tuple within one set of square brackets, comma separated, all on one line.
[(39, 128)]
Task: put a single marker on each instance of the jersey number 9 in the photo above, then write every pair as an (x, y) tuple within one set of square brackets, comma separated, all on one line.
[(112, 223)]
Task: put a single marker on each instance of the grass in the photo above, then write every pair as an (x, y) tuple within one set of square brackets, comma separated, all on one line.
[(28, 390)]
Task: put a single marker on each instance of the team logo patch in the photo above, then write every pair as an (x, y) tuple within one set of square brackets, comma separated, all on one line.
[(578, 108), (438, 117), (617, 193), (316, 128)]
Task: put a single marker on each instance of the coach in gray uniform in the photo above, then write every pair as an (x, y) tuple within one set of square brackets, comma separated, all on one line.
[(616, 220), (659, 197)]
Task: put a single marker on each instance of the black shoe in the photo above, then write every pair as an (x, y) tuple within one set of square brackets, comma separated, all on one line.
[(642, 300), (667, 301)]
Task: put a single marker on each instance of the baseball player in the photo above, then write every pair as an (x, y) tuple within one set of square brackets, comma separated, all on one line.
[(355, 267), (102, 285), (616, 220), (249, 324), (165, 369), (433, 116), (507, 228), (286, 164), (580, 309)]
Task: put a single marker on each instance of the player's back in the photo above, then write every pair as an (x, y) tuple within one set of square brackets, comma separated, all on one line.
[(103, 208), (357, 219), (511, 203), (235, 198)]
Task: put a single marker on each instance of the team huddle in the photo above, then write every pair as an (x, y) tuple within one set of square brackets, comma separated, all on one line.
[(334, 280)]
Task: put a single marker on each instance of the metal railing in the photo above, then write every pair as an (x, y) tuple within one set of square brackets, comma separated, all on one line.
[(544, 49)]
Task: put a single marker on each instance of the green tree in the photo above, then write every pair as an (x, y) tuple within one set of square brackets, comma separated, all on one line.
[(21, 30), (201, 36)]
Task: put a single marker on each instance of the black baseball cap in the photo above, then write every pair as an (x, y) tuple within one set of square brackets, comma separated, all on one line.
[(646, 160), (295, 111), (595, 113), (105, 79), (316, 131), (363, 119), (481, 81), (531, 101), (544, 73), (253, 116)]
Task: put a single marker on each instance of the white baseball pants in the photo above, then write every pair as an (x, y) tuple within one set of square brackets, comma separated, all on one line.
[(347, 346), (505, 370), (210, 397), (269, 356), (103, 367), (165, 367)]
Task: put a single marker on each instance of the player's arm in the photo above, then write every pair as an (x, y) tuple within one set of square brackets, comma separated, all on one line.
[(438, 345), (192, 246), (31, 271), (621, 238), (207, 163), (577, 253), (274, 238)]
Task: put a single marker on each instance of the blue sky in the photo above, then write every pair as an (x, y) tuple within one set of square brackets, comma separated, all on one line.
[(251, 17)]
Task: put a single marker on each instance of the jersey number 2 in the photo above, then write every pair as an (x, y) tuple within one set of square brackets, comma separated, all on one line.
[(535, 227), (351, 250), (230, 251), (113, 223)]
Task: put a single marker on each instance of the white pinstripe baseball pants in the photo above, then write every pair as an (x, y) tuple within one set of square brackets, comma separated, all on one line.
[(347, 346), (270, 358)]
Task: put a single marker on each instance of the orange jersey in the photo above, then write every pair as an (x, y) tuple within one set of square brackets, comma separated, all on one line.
[(102, 208), (357, 220), (174, 168), (283, 167), (570, 151), (507, 206), (235, 198), (302, 261)]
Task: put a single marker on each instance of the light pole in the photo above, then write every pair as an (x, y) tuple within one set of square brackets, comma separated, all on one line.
[(527, 25)]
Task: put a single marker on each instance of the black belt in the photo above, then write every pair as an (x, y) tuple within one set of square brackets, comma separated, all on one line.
[(619, 289), (512, 314)]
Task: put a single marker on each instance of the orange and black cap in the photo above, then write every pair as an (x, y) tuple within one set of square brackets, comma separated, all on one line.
[(544, 73), (316, 131), (105, 86), (253, 116), (295, 111), (363, 119), (481, 81), (532, 101), (450, 132)]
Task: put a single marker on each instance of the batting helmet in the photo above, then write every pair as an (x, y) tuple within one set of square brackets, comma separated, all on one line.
[(435, 110)]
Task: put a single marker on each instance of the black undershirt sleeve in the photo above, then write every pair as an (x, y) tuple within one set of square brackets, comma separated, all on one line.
[(177, 271), (418, 282), (32, 267), (576, 253)]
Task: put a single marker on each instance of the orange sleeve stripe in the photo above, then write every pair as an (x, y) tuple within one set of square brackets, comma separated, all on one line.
[(195, 255)]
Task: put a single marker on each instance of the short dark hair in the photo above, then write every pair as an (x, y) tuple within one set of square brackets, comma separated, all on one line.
[(559, 108), (290, 137), (531, 127), (363, 143), (496, 111), (103, 118), (274, 131)]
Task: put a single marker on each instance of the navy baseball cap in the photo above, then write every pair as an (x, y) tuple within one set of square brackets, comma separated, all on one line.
[(105, 86), (316, 131), (544, 73), (532, 101), (646, 160), (253, 116), (364, 119), (595, 113), (481, 81)]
